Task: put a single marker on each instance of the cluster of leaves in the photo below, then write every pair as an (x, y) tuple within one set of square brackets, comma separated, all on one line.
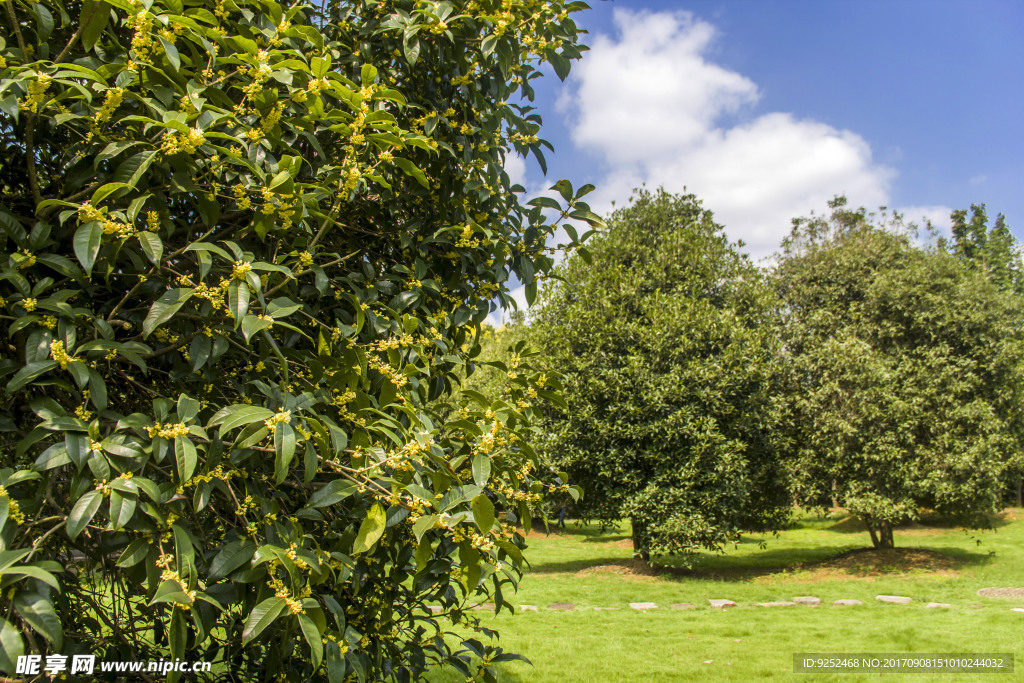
[(245, 246), (665, 337), (904, 369)]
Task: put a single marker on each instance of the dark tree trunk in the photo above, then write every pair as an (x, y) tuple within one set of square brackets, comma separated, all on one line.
[(871, 530), (835, 501), (885, 535), (640, 540), (1020, 493)]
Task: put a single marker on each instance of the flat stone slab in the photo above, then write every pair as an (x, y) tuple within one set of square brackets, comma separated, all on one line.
[(643, 605), (807, 600), (683, 605), (722, 604), (564, 606), (435, 609), (1001, 592), (527, 608), (775, 604), (486, 605), (894, 599), (942, 605), (1017, 609), (846, 603), (605, 609)]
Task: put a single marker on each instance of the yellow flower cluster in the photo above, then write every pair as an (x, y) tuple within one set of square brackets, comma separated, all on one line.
[(59, 354), (168, 431), (142, 40), (36, 93), (111, 102), (171, 575), (14, 512), (240, 269), (282, 416), (306, 259), (175, 142), (393, 376)]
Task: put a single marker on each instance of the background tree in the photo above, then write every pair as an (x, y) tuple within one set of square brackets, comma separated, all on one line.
[(904, 373), (994, 252), (243, 249), (668, 351)]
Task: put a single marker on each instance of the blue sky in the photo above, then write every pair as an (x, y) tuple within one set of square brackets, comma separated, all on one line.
[(767, 108)]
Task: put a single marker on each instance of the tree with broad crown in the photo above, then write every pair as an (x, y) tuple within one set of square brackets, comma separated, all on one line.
[(904, 383), (243, 247), (665, 338)]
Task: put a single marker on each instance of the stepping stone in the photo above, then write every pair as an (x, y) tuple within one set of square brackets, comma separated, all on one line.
[(722, 604), (485, 605), (894, 599), (435, 609), (943, 605), (564, 606), (527, 608), (775, 604), (1017, 609), (841, 603), (605, 609), (807, 600), (683, 605), (643, 605)]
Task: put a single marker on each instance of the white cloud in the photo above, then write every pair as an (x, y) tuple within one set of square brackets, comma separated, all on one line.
[(651, 104)]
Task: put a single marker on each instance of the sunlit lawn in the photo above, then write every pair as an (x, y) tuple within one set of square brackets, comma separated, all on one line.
[(939, 563)]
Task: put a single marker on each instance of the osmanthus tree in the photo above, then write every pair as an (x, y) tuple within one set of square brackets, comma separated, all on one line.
[(665, 338), (245, 246), (904, 389)]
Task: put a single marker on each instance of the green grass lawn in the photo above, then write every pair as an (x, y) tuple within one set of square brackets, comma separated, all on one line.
[(815, 556)]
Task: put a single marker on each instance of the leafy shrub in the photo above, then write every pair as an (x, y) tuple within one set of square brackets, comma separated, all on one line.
[(243, 247)]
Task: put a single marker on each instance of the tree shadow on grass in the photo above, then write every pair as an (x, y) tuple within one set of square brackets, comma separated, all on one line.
[(806, 563), (929, 524)]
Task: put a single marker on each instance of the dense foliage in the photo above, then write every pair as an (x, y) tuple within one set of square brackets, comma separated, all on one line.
[(664, 335), (245, 246), (905, 377)]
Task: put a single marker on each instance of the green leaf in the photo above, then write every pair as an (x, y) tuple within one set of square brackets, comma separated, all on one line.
[(185, 457), (481, 469), (136, 552), (11, 647), (423, 525), (87, 242), (251, 324), (238, 415), (164, 308), (122, 507), (370, 530), (262, 616), (531, 292), (94, 19), (413, 170), (172, 53), (313, 637), (238, 301), (177, 634), (483, 512), (83, 512), (152, 246), (232, 556), (40, 615), (332, 492), (284, 445), (29, 373)]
